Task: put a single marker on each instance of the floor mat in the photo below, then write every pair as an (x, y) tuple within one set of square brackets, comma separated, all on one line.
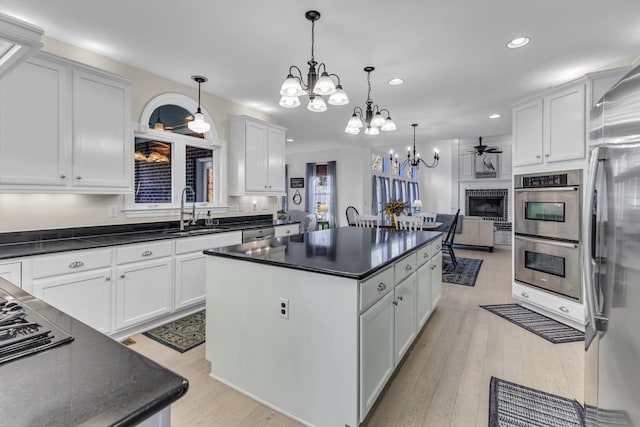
[(465, 273), (182, 334), (543, 326), (513, 405)]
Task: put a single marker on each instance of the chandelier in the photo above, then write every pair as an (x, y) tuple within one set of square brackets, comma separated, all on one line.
[(415, 160), (371, 116), (316, 88)]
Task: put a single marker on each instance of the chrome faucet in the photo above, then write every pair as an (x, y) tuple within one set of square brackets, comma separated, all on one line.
[(193, 207)]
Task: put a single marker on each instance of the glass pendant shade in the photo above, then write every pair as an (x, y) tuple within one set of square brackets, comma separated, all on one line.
[(317, 105), (291, 87), (354, 122), (377, 120), (388, 125), (339, 97), (198, 125), (352, 131), (371, 130), (289, 101), (324, 85)]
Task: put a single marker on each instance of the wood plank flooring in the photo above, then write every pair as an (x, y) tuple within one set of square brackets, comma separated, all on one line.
[(443, 380)]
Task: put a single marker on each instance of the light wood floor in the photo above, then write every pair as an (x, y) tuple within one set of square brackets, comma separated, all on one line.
[(444, 379)]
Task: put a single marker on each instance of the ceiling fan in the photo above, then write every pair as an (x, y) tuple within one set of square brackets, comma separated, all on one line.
[(483, 149)]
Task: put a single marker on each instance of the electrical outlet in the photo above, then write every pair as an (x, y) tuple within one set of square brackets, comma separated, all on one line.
[(265, 206), (112, 211), (255, 205), (284, 308)]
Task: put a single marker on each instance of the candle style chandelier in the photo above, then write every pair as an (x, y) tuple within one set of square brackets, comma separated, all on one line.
[(371, 116), (416, 159), (316, 88)]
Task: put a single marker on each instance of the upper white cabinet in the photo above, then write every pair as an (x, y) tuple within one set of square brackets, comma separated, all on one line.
[(64, 128), (257, 156), (550, 128)]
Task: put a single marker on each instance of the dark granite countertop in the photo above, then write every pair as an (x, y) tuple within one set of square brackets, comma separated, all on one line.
[(92, 380), (28, 243), (352, 252)]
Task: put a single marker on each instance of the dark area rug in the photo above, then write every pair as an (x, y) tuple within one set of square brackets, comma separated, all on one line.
[(182, 334), (512, 405), (465, 274), (543, 326)]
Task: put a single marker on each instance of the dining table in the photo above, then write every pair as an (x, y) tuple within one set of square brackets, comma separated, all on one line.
[(426, 226)]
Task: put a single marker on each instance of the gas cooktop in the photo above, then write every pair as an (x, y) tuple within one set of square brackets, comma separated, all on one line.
[(24, 331)]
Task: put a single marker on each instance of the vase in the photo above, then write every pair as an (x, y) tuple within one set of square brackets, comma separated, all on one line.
[(393, 220)]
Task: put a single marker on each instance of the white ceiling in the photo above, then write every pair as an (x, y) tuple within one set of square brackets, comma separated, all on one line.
[(451, 53)]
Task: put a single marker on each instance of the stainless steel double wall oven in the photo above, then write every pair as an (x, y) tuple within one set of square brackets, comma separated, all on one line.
[(547, 222)]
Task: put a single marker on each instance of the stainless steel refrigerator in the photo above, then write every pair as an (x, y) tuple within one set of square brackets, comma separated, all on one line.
[(611, 258)]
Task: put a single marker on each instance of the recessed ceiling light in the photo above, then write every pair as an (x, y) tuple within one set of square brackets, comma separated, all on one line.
[(494, 116), (289, 139), (396, 81), (518, 42)]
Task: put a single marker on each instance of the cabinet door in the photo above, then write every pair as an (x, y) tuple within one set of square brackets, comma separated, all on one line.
[(102, 154), (190, 281), (85, 296), (256, 157), (143, 292), (276, 161), (405, 316), (423, 294), (564, 125), (527, 133), (33, 140), (436, 279), (376, 351), (12, 272)]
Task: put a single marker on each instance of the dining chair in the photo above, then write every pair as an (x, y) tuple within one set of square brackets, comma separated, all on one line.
[(427, 216), (405, 222), (351, 215), (367, 221), (447, 242)]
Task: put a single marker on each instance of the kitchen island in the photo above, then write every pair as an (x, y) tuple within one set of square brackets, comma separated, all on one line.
[(89, 379), (315, 325)]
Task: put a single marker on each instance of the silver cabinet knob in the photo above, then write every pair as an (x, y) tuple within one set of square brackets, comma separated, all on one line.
[(524, 294), (76, 264), (107, 279), (401, 298), (563, 309), (63, 176), (407, 267), (395, 303), (78, 177), (425, 255), (381, 287), (122, 276), (147, 253), (537, 156)]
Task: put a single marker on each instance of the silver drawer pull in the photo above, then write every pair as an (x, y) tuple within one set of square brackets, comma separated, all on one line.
[(107, 279), (434, 266), (288, 231), (407, 267), (381, 287), (425, 255), (563, 309), (76, 264), (147, 253), (394, 302), (400, 298), (524, 294)]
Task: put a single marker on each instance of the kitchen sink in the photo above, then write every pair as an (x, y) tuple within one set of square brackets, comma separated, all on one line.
[(194, 232)]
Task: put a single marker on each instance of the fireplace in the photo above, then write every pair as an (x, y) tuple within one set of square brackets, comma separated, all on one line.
[(491, 204)]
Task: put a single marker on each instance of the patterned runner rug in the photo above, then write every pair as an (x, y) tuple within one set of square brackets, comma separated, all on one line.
[(465, 274), (543, 326), (182, 334), (515, 405)]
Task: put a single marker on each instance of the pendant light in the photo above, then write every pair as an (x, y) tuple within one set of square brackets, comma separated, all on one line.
[(371, 117), (198, 125), (416, 159)]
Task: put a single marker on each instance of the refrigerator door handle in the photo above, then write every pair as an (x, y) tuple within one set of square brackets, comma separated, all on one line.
[(597, 319)]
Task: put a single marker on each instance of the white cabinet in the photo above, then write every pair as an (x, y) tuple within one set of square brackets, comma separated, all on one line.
[(190, 284), (82, 140), (551, 128), (78, 283), (423, 294), (258, 153), (286, 230), (405, 316), (144, 282), (12, 271), (436, 279), (376, 351), (86, 296)]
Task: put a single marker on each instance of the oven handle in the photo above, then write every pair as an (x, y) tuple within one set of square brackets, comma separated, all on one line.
[(548, 242), (537, 189)]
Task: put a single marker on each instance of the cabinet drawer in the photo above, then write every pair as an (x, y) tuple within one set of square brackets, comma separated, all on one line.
[(71, 262), (143, 252), (375, 287), (555, 304), (404, 267), (200, 243), (436, 246), (424, 253), (287, 230)]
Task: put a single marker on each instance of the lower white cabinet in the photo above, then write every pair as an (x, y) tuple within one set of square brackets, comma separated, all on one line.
[(86, 296), (423, 294), (436, 278), (190, 283), (405, 316), (143, 291), (12, 272), (376, 351)]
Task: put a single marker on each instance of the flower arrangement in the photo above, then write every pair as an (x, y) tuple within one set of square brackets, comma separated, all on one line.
[(395, 207)]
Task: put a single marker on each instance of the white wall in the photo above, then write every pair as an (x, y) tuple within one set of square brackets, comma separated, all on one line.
[(353, 174), (21, 212)]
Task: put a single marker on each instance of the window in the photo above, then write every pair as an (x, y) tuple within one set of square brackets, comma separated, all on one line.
[(169, 157), (391, 181)]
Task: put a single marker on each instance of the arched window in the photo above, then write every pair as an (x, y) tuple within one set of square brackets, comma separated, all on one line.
[(169, 157)]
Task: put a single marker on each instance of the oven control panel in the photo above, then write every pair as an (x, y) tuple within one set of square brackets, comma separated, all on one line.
[(555, 179)]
